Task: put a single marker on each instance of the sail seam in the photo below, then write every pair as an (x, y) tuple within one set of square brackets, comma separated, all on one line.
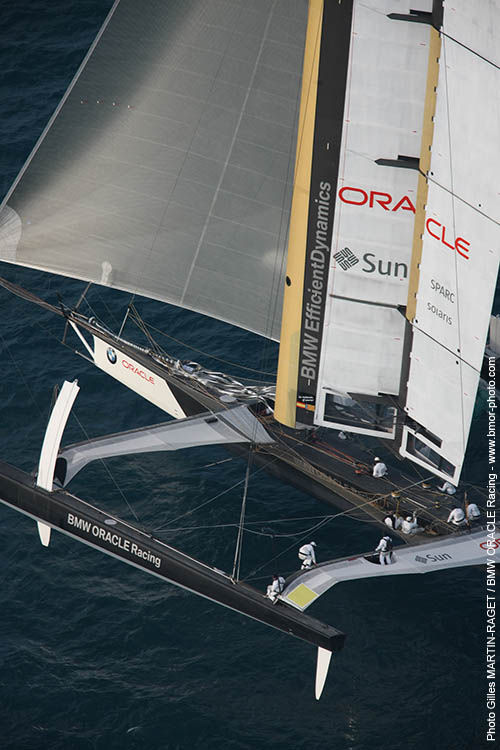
[(447, 349), (176, 68), (114, 160), (229, 154)]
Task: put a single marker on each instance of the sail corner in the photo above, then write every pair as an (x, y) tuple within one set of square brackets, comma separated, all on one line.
[(10, 233)]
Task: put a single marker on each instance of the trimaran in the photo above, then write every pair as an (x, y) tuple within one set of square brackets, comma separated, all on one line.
[(323, 174)]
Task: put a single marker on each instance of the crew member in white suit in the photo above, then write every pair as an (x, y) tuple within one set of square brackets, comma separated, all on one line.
[(307, 555), (473, 512), (393, 521), (385, 550), (379, 468), (448, 487), (457, 516), (275, 588), (410, 525)]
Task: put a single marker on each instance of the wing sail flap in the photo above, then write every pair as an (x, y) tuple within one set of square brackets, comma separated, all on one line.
[(460, 247)]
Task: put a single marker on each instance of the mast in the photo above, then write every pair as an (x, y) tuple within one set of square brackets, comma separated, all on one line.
[(291, 325)]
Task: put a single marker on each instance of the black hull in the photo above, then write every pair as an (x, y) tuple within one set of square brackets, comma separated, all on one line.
[(88, 524)]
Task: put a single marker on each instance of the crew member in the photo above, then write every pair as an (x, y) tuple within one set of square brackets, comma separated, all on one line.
[(473, 512), (448, 487), (457, 516), (392, 520), (385, 550), (410, 525), (275, 588), (307, 555), (379, 468)]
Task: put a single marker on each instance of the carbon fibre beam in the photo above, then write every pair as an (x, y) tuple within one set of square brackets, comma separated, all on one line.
[(88, 524)]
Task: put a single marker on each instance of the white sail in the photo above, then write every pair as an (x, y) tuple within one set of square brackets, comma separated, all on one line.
[(166, 170), (403, 228), (361, 221), (461, 243), (363, 333)]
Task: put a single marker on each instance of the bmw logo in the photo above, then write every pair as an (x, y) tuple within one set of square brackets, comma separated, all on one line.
[(111, 355)]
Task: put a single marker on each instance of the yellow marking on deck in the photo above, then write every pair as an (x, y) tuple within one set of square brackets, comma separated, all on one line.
[(302, 595)]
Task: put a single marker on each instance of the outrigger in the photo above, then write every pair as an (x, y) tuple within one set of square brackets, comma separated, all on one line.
[(334, 470), (58, 509), (218, 410)]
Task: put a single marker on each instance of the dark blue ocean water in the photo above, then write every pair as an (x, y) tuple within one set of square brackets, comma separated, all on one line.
[(95, 654)]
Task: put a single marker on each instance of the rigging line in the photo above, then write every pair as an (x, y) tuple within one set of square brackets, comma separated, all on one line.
[(136, 318), (291, 519), (326, 520), (313, 528), (461, 199), (210, 500), (82, 296), (94, 314), (330, 450), (206, 354), (257, 523), (303, 533), (248, 523), (6, 346), (239, 540), (199, 468), (469, 49), (75, 308), (63, 343), (124, 319), (108, 309), (459, 360), (101, 460), (258, 58)]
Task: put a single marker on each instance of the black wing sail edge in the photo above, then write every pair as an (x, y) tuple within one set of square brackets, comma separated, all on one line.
[(86, 523)]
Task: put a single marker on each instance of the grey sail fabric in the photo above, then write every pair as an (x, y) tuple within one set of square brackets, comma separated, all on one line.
[(167, 169), (236, 425)]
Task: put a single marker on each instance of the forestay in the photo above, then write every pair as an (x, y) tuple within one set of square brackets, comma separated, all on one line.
[(167, 169)]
